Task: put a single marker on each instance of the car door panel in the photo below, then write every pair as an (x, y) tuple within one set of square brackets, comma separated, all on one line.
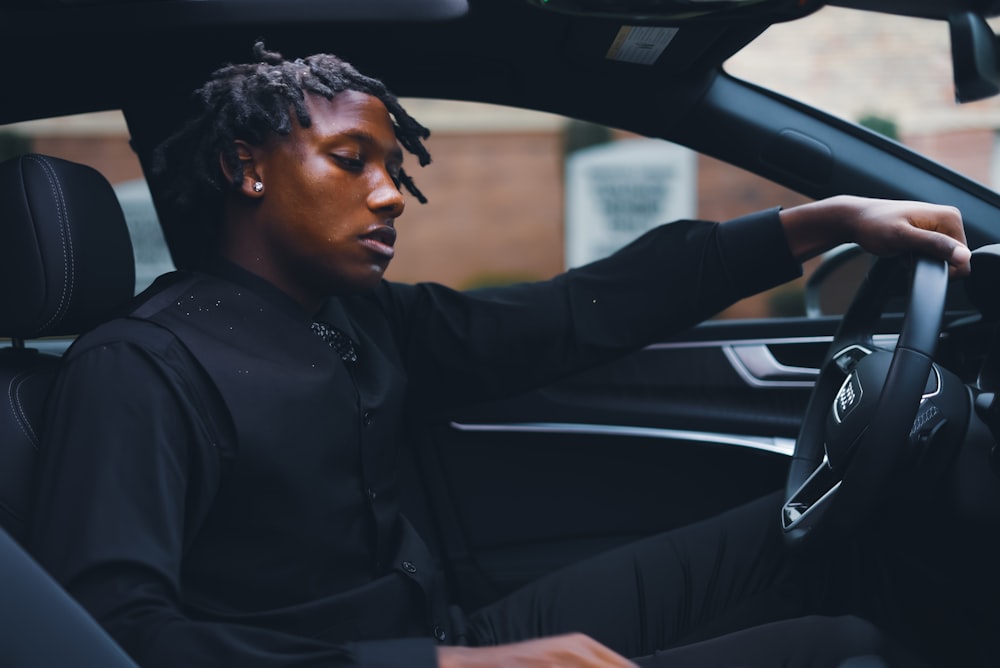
[(663, 437)]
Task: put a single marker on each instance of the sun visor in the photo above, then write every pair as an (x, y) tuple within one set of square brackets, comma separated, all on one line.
[(205, 12)]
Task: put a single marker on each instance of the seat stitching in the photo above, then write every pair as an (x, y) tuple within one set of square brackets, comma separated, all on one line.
[(65, 238), (17, 408)]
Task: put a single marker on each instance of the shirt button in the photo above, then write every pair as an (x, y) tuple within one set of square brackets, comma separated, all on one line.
[(409, 567), (440, 634), (371, 493), (366, 418)]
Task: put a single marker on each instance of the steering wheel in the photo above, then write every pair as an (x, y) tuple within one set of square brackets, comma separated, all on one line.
[(856, 429)]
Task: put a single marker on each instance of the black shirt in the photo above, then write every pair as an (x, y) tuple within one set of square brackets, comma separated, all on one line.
[(220, 488)]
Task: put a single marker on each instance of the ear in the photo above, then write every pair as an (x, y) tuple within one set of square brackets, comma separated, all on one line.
[(246, 155)]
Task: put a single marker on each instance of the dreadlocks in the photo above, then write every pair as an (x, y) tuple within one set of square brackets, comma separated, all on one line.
[(248, 102)]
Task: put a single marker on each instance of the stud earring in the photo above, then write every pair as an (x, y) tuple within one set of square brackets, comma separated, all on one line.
[(258, 186)]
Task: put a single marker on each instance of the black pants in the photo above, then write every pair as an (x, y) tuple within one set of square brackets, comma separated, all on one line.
[(723, 592)]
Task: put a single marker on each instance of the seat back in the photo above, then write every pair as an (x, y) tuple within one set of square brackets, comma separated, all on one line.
[(66, 264)]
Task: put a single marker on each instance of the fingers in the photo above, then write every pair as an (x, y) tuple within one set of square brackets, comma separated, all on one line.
[(882, 227), (940, 245), (890, 227), (950, 239), (939, 232), (573, 650), (960, 260)]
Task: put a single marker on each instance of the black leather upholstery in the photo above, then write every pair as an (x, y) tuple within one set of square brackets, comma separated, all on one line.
[(25, 374), (65, 254), (66, 264)]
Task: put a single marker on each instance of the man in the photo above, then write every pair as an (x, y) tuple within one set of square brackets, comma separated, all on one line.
[(220, 483)]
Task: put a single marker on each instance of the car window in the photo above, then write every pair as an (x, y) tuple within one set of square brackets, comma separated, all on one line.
[(517, 195), (891, 74), (513, 195)]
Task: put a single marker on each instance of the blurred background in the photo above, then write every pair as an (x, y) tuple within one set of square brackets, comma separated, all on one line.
[(517, 195)]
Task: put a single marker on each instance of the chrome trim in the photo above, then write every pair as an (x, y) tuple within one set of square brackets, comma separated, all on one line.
[(754, 363), (937, 385), (888, 340), (758, 368), (855, 346), (775, 444), (800, 515), (759, 361)]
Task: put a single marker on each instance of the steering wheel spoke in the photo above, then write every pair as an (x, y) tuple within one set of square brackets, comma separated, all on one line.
[(807, 504), (848, 357), (857, 424)]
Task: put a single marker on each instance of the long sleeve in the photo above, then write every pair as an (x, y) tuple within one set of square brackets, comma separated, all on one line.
[(460, 347), (132, 463)]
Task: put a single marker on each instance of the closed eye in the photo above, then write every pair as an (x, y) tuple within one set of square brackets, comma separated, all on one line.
[(350, 163)]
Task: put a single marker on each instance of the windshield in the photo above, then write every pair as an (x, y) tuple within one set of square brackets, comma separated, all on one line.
[(892, 74)]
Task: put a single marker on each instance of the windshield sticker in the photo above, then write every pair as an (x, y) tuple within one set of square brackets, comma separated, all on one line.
[(640, 45)]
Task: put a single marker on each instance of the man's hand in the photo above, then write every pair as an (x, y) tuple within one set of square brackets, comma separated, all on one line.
[(882, 227), (573, 650)]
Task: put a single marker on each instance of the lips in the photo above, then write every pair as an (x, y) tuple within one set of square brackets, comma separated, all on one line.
[(381, 240)]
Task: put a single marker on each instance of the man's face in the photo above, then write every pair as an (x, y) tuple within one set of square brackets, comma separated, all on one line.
[(324, 223)]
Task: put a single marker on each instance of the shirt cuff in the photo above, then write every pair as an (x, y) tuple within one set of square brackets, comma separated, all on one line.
[(756, 253), (396, 653)]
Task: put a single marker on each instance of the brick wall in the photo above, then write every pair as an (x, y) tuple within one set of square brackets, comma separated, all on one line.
[(495, 210), (496, 196)]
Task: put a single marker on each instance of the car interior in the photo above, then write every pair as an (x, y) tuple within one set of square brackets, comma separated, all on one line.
[(721, 414), (65, 234)]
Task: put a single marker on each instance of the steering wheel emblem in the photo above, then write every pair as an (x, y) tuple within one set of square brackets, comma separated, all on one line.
[(848, 398)]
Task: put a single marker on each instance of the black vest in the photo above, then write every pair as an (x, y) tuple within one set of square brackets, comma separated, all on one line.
[(304, 533)]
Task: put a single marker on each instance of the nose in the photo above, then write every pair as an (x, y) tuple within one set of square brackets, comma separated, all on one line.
[(386, 197)]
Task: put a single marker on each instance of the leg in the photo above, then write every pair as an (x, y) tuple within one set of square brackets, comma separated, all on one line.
[(672, 598), (713, 577)]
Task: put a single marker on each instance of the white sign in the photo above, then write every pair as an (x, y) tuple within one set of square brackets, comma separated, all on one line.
[(617, 191), (640, 45)]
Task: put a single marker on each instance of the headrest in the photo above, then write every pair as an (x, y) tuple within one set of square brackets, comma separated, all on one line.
[(66, 259)]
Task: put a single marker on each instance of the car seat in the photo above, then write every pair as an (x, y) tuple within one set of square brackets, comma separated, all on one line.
[(66, 264)]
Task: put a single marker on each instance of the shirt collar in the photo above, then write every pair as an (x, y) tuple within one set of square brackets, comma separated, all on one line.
[(261, 287), (332, 312)]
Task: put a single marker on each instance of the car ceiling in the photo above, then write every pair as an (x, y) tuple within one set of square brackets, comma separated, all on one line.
[(80, 63), (77, 55)]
